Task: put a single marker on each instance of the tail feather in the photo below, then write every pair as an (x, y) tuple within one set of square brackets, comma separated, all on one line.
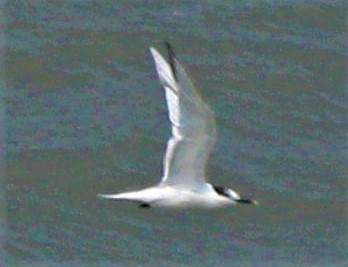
[(120, 197), (106, 196)]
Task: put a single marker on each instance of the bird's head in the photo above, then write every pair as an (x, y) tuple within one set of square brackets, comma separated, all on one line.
[(233, 196)]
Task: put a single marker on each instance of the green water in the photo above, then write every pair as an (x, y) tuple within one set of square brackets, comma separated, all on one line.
[(84, 114)]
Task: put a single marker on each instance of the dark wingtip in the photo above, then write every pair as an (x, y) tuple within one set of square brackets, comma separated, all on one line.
[(171, 56), (145, 205), (169, 48)]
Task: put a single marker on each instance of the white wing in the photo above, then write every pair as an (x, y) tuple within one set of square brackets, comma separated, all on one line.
[(193, 126)]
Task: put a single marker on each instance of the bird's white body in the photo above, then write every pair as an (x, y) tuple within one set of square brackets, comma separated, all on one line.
[(173, 197), (193, 136)]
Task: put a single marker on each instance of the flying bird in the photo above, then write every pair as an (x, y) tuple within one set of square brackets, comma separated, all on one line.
[(193, 137)]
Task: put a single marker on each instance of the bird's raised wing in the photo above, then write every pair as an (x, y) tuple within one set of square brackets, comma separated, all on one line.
[(193, 125)]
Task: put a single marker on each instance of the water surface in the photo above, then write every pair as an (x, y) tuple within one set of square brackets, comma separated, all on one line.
[(84, 114)]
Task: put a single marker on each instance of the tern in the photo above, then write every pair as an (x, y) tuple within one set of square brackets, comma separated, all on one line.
[(193, 137)]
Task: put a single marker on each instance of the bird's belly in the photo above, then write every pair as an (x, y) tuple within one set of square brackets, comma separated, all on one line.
[(188, 199)]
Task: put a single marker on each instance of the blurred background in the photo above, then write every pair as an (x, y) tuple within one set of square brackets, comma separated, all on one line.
[(84, 113)]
